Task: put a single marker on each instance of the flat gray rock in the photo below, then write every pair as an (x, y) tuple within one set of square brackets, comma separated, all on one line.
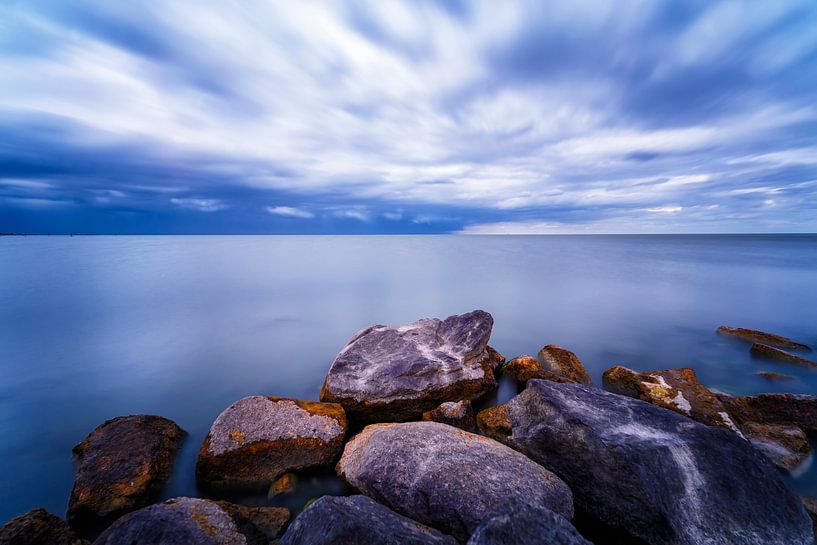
[(257, 439), (445, 477), (530, 526), (654, 473), (395, 373), (358, 520)]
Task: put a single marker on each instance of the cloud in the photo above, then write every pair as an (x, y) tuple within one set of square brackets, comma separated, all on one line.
[(289, 212), (463, 113)]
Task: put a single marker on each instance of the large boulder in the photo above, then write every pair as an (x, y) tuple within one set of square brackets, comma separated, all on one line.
[(786, 446), (675, 389), (195, 521), (38, 527), (792, 409), (755, 336), (388, 374), (257, 439), (653, 473), (771, 353), (459, 414), (123, 465), (562, 361), (358, 520), (523, 368), (527, 526), (445, 477)]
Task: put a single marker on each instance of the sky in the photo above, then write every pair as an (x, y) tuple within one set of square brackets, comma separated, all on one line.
[(477, 117)]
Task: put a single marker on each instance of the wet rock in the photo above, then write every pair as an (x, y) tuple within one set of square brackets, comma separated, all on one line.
[(527, 526), (123, 465), (193, 521), (447, 478), (396, 373), (257, 439), (563, 362), (285, 484), (811, 508), (524, 368), (771, 353), (38, 527), (495, 422), (675, 389), (772, 376), (792, 409), (358, 520), (786, 446), (653, 473), (459, 414), (755, 336)]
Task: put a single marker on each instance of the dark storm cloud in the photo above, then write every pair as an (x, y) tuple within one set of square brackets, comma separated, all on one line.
[(581, 116)]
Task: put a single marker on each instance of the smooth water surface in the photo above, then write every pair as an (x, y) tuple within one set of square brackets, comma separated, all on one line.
[(96, 327)]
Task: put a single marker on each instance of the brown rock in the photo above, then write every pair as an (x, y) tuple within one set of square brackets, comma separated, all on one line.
[(755, 336), (811, 508), (498, 358), (123, 465), (257, 439), (495, 422), (524, 368), (563, 362), (285, 484), (771, 353), (459, 414), (676, 389), (786, 446), (38, 527), (769, 375), (267, 521), (792, 409)]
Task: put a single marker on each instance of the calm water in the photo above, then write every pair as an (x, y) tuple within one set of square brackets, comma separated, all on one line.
[(96, 327)]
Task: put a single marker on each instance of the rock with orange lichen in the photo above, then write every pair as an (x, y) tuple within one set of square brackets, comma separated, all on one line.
[(38, 527), (562, 361), (459, 414), (495, 422), (195, 521), (524, 368), (123, 465), (395, 373), (257, 439)]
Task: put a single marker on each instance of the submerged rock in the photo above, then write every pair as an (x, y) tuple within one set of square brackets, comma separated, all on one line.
[(771, 353), (38, 527), (524, 368), (459, 414), (752, 335), (195, 521), (257, 439), (563, 362), (527, 526), (358, 520), (123, 465), (284, 484), (445, 477), (786, 446), (792, 409), (653, 473), (676, 389), (772, 376), (396, 373)]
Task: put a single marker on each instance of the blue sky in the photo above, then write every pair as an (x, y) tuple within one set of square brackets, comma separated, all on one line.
[(579, 116)]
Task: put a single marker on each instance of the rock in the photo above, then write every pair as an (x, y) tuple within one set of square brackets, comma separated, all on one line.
[(495, 356), (530, 526), (285, 484), (194, 521), (653, 473), (447, 478), (123, 465), (792, 409), (495, 422), (524, 368), (459, 414), (675, 389), (358, 520), (38, 527), (257, 439), (811, 508), (786, 446), (771, 376), (563, 362), (396, 373), (755, 336), (771, 353)]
